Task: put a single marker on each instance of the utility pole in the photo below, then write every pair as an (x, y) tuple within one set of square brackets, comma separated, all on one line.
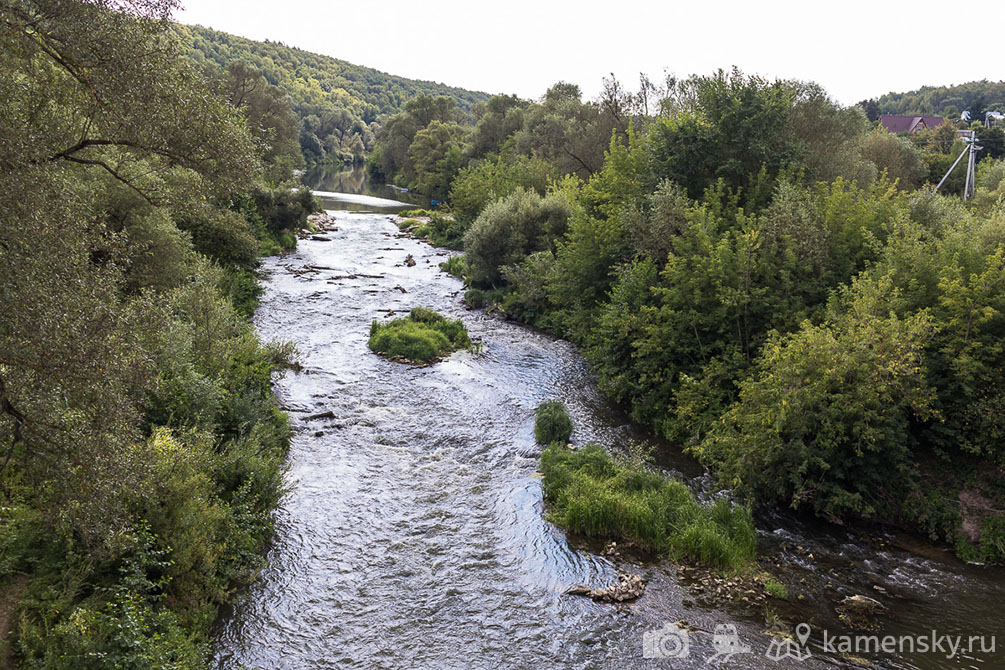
[(970, 187)]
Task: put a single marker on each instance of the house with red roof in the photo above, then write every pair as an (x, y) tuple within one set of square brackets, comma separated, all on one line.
[(895, 123)]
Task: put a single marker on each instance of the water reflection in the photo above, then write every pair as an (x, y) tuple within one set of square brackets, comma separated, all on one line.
[(338, 179)]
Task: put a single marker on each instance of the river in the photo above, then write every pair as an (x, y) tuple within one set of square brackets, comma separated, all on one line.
[(413, 534)]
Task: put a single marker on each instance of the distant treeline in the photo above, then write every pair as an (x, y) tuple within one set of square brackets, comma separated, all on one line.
[(977, 97), (339, 105)]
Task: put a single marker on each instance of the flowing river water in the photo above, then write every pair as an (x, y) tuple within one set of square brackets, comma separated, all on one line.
[(413, 534)]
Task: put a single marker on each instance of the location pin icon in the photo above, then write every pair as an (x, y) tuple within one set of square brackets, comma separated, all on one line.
[(803, 633)]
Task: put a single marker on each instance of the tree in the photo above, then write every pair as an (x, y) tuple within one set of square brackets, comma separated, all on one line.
[(92, 93), (823, 423), (435, 153), (896, 156), (393, 158), (502, 117), (566, 132), (510, 229), (831, 135), (108, 74), (727, 126), (871, 109), (270, 119)]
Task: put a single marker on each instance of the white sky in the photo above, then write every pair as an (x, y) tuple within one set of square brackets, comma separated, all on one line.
[(855, 49)]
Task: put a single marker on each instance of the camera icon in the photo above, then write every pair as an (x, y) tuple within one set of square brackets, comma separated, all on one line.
[(666, 642)]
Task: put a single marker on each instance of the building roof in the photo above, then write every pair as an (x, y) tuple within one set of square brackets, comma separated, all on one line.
[(908, 124)]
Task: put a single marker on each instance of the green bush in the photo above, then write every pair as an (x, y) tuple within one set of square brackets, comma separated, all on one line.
[(445, 231), (283, 209), (510, 229), (592, 495), (422, 336), (552, 423), (477, 185), (223, 235)]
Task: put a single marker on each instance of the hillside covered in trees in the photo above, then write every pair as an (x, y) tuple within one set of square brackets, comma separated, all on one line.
[(976, 97), (340, 105)]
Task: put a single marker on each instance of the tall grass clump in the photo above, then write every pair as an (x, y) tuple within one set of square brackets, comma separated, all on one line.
[(455, 265), (423, 336), (552, 423), (592, 495)]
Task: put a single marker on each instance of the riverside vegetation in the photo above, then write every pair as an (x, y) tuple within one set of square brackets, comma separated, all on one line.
[(141, 449), (592, 494), (759, 274)]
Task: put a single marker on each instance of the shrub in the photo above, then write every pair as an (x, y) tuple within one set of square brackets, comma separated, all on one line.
[(223, 235), (898, 157), (825, 422), (552, 423), (444, 231), (422, 336), (477, 185), (590, 494), (510, 229), (284, 209)]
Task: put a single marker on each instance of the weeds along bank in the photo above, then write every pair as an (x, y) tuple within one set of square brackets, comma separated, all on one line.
[(140, 445), (785, 302), (592, 494)]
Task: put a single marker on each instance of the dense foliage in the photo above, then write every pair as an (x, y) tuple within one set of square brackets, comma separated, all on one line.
[(141, 449), (552, 423), (423, 336), (760, 275)]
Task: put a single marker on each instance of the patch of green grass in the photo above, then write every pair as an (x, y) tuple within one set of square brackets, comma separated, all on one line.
[(552, 423), (273, 244), (776, 589), (443, 231), (455, 265), (423, 336), (408, 223), (592, 495)]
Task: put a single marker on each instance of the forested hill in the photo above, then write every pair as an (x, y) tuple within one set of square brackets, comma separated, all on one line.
[(948, 101), (337, 102)]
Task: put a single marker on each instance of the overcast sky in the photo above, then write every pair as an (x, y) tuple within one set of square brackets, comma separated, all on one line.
[(855, 49)]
